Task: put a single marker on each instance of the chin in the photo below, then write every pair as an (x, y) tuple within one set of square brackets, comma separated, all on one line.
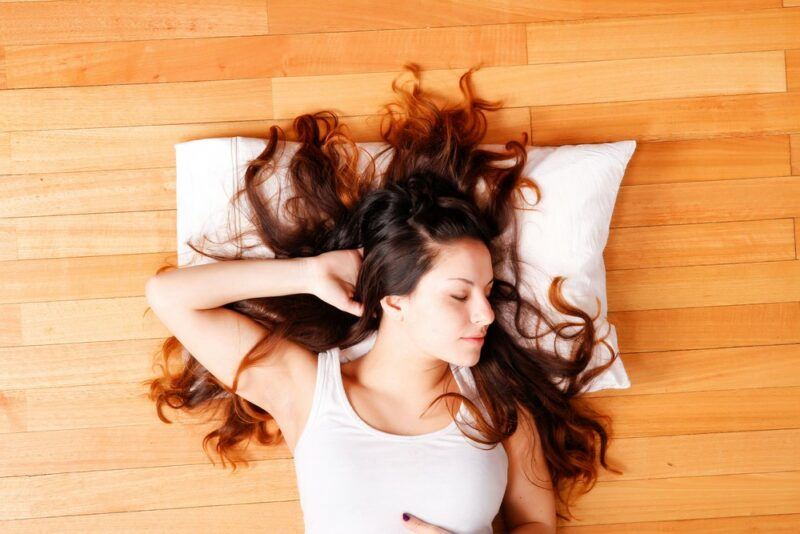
[(470, 360)]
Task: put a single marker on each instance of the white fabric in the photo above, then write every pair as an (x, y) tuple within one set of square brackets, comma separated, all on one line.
[(563, 236), (356, 479)]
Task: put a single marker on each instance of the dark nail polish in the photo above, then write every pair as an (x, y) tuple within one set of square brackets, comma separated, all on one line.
[(405, 517)]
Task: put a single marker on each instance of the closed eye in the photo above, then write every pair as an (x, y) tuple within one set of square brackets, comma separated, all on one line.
[(465, 298)]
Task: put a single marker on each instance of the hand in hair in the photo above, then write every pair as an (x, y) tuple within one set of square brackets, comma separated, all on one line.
[(332, 278)]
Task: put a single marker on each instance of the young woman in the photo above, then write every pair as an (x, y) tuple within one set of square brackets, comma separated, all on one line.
[(404, 264)]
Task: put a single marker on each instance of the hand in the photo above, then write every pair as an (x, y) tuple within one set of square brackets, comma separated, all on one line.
[(415, 524), (332, 278)]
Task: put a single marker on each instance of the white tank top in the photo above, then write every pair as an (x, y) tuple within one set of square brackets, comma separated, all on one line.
[(357, 479)]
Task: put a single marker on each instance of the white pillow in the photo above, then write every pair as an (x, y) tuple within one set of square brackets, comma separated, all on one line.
[(563, 236)]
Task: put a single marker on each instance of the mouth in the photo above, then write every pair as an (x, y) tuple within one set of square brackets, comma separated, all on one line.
[(476, 340)]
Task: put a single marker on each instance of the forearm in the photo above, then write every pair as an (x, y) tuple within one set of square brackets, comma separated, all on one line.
[(533, 528), (215, 284)]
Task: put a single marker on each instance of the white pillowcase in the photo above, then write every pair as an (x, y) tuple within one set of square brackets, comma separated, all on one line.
[(564, 235)]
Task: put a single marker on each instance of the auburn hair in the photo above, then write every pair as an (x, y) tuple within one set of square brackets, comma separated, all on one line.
[(437, 188)]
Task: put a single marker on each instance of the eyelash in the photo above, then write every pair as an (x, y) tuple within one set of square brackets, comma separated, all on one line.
[(462, 299)]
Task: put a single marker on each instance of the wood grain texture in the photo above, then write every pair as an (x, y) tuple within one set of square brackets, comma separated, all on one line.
[(3, 81), (226, 58), (793, 70), (656, 36), (138, 147), (554, 85), (703, 255), (287, 16), (68, 21)]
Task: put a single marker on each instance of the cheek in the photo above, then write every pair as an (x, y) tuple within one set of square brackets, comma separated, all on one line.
[(441, 323)]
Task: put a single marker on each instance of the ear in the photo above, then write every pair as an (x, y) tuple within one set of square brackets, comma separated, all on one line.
[(393, 306)]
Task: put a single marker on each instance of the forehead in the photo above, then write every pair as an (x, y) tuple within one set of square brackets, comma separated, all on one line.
[(468, 259)]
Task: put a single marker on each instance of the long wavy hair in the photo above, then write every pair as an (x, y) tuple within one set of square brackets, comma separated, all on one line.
[(427, 197)]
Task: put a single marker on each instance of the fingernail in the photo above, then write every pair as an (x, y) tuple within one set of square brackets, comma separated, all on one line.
[(405, 517)]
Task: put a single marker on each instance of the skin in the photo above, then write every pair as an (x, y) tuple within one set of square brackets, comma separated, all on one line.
[(420, 334)]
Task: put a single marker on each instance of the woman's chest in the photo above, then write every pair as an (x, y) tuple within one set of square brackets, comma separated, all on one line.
[(447, 482)]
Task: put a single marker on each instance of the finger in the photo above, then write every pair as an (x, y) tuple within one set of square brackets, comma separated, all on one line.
[(352, 306), (415, 524), (356, 308), (410, 525)]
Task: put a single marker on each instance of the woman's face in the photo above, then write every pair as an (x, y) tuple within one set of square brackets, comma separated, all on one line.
[(450, 304)]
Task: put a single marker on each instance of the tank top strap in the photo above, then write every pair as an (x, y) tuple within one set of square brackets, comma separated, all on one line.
[(324, 389)]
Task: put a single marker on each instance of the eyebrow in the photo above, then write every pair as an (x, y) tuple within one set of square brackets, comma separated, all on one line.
[(470, 282)]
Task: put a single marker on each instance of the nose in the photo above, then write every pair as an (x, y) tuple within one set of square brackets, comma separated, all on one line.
[(483, 314)]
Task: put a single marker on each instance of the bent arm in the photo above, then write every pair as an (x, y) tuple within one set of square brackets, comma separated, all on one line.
[(211, 285)]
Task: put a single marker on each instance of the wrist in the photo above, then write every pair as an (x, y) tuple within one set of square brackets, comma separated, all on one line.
[(307, 272)]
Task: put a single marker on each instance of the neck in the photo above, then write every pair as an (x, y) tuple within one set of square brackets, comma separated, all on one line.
[(397, 368)]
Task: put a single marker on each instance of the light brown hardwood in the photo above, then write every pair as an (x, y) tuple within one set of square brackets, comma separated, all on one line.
[(702, 258)]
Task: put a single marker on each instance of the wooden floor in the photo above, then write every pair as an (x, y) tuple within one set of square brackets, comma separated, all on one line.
[(703, 269)]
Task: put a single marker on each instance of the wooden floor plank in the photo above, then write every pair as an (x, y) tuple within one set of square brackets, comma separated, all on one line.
[(668, 119), (281, 516), (655, 36), (709, 158), (552, 85), (712, 369), (661, 204), (127, 490), (692, 498), (227, 58), (778, 523), (793, 70), (286, 16), (720, 285), (706, 328), (65, 21), (120, 105), (700, 244)]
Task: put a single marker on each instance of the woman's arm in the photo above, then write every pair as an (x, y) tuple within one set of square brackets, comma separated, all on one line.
[(212, 285)]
